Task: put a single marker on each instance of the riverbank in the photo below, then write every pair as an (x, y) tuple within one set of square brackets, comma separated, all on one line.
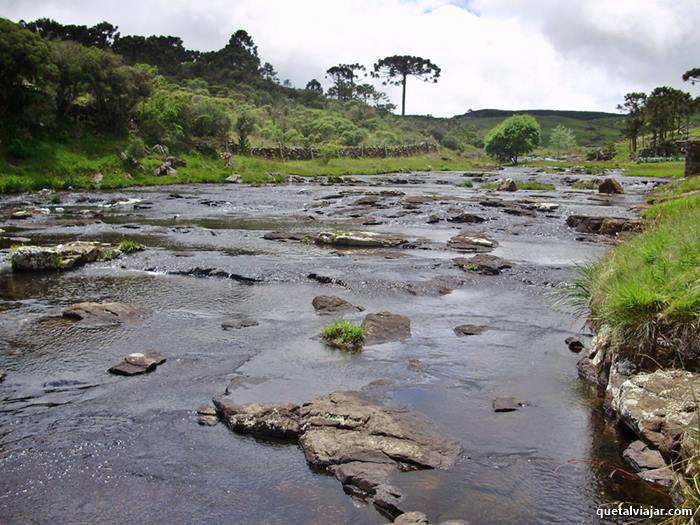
[(643, 301)]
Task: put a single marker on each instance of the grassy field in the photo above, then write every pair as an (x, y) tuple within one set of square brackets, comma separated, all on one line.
[(73, 163)]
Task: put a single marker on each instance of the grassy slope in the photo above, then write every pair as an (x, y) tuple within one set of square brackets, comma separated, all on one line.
[(649, 285)]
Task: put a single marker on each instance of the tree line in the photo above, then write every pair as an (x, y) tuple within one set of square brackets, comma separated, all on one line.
[(657, 121)]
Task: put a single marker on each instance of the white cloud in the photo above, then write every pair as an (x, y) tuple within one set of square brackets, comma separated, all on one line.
[(493, 53)]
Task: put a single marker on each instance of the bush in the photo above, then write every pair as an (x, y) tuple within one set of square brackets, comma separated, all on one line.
[(328, 151), (344, 335), (512, 138), (129, 246)]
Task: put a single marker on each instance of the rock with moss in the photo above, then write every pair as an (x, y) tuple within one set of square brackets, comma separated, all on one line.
[(610, 186), (60, 257), (483, 263), (359, 239), (344, 335)]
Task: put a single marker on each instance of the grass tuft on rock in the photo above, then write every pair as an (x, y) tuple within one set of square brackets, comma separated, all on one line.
[(344, 335), (128, 246)]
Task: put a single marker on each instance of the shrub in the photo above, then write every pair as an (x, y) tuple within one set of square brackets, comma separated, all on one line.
[(129, 246), (512, 138), (344, 335)]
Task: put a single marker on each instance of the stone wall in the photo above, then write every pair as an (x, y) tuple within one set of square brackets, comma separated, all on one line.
[(692, 157), (347, 151)]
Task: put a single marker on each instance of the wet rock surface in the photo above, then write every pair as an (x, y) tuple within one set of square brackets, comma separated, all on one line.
[(385, 327), (359, 239), (482, 263), (60, 257), (470, 241), (109, 311), (331, 304), (603, 225), (469, 329), (137, 363), (611, 186)]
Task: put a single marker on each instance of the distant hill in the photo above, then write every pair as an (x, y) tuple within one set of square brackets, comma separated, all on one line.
[(592, 128)]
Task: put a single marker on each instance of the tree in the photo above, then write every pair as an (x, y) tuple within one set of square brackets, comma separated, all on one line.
[(396, 69), (692, 75), (268, 73), (102, 35), (244, 127), (25, 66), (344, 77), (562, 138), (167, 53), (512, 138), (634, 123), (315, 86)]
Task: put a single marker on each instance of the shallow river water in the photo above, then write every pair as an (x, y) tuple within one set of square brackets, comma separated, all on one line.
[(78, 445)]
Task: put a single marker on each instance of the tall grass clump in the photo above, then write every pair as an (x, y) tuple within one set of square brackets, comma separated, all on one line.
[(344, 335)]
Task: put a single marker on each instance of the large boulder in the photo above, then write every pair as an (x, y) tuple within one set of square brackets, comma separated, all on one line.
[(611, 186), (469, 241), (658, 406), (507, 185), (331, 304), (59, 257), (264, 420), (384, 327), (359, 239)]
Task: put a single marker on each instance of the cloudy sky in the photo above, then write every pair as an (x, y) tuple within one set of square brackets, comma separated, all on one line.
[(508, 54)]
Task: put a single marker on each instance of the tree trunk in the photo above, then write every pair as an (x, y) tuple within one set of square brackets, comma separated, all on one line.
[(403, 97)]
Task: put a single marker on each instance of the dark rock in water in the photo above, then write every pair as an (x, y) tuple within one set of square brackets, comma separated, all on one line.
[(113, 312), (433, 219), (324, 279), (603, 225), (213, 272), (464, 217), (138, 363), (363, 477), (469, 329), (387, 501), (493, 203), (507, 185), (506, 404), (330, 304), (483, 263), (371, 221), (611, 186), (384, 327), (649, 463), (412, 518), (264, 420), (469, 241), (289, 236), (368, 200), (574, 344), (518, 211), (237, 324), (3, 374)]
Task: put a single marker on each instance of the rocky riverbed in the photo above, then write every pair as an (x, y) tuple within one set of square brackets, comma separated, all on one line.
[(463, 405)]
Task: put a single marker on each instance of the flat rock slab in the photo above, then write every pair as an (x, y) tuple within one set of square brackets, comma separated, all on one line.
[(113, 312), (469, 241), (506, 404), (60, 257), (659, 406), (331, 304), (603, 225), (469, 329), (649, 463), (343, 432), (483, 264), (138, 363), (359, 239), (289, 236), (237, 324), (384, 327)]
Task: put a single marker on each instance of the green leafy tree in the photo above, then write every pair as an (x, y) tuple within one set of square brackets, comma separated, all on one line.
[(396, 69), (26, 68), (244, 127), (512, 138), (633, 106), (562, 138)]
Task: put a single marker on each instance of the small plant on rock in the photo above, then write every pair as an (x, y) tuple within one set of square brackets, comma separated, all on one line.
[(129, 246), (344, 335)]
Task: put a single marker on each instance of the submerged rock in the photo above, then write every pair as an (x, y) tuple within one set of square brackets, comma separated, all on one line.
[(412, 518), (237, 324), (469, 241), (138, 363), (359, 239), (289, 236), (207, 416), (483, 263), (330, 304), (384, 327), (469, 329), (611, 186), (603, 225), (114, 312), (59, 257), (574, 344), (3, 374)]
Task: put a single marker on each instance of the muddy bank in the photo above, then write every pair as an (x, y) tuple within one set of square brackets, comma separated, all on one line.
[(79, 444)]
